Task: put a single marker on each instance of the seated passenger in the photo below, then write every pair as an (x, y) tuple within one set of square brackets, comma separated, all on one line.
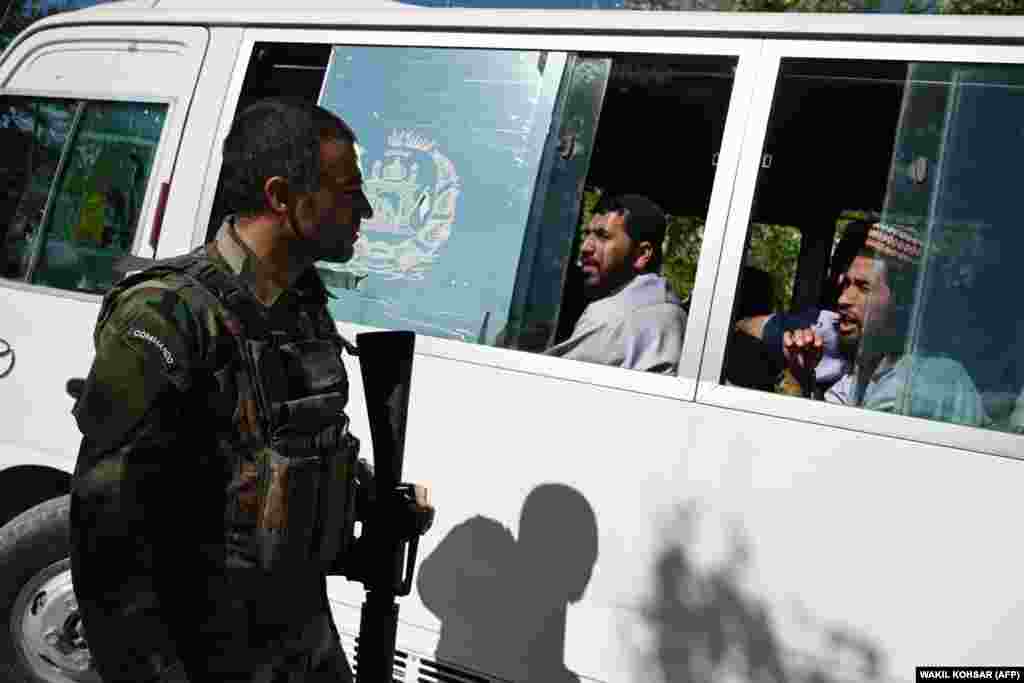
[(770, 328), (633, 319), (874, 307)]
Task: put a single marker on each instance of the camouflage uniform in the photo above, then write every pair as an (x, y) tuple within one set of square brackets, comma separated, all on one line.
[(166, 502)]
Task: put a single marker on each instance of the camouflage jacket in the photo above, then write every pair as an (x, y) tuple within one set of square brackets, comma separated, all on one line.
[(164, 495)]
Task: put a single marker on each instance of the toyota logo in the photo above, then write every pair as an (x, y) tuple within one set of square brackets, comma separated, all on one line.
[(6, 358)]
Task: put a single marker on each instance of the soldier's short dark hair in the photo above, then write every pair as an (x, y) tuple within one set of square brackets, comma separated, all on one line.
[(275, 137), (644, 220)]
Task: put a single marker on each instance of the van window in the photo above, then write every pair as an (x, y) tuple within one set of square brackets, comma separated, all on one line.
[(450, 145), (75, 189), (899, 177), (661, 125), (483, 168), (34, 133)]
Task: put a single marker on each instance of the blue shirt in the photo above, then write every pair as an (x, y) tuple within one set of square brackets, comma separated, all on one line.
[(934, 388)]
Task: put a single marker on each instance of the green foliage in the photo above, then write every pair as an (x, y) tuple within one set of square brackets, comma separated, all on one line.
[(804, 5), (909, 6), (981, 7), (775, 249), (916, 7), (590, 198), (17, 18), (681, 251), (20, 14)]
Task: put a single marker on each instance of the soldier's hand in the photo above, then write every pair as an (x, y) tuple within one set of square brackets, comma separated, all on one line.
[(417, 513), (424, 509)]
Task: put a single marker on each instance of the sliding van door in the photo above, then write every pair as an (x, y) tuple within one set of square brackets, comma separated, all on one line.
[(878, 185), (483, 155), (90, 138)]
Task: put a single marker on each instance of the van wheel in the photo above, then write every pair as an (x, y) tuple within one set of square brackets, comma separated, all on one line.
[(43, 641)]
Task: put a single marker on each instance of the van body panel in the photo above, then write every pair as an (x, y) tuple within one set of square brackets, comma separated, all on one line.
[(842, 541), (861, 27), (12, 453), (747, 51), (59, 60), (51, 338), (739, 535), (201, 148), (710, 390), (50, 330)]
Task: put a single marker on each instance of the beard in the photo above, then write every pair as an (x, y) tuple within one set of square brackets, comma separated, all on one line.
[(606, 283), (339, 253), (849, 346), (324, 241), (336, 243), (873, 339), (592, 291)]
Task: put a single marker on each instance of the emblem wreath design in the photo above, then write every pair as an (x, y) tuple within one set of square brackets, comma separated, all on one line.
[(412, 217)]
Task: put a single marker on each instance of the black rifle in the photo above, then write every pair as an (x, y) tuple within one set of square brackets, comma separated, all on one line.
[(385, 359)]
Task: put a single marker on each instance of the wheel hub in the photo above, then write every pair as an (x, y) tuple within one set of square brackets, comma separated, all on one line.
[(47, 628)]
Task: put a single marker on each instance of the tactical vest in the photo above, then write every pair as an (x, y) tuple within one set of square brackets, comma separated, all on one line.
[(292, 467)]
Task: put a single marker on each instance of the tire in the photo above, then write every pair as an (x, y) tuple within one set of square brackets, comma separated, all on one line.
[(42, 640)]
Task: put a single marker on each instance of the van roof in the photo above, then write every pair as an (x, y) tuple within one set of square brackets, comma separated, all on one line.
[(391, 14)]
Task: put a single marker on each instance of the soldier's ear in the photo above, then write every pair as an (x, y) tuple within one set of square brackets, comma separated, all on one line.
[(276, 195)]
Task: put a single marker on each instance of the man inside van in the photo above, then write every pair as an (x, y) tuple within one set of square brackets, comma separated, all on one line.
[(633, 318), (876, 301), (214, 433), (770, 328)]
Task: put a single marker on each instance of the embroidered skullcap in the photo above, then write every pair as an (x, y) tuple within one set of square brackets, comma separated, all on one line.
[(897, 241)]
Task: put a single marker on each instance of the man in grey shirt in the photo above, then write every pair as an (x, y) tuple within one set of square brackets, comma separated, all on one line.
[(875, 306), (633, 318)]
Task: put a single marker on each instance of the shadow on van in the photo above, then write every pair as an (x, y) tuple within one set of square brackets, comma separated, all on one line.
[(708, 627), (502, 601)]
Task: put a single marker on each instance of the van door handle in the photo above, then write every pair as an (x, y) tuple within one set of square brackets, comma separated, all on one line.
[(6, 358)]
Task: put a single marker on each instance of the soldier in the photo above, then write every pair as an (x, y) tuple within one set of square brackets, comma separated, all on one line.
[(216, 475)]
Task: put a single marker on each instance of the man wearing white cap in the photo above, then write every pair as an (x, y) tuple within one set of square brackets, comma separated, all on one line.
[(875, 306)]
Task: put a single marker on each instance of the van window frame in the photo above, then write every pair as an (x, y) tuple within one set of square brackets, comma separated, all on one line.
[(194, 42), (149, 197), (710, 390), (745, 50)]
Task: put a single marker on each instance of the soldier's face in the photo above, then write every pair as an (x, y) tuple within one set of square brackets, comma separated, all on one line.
[(329, 217)]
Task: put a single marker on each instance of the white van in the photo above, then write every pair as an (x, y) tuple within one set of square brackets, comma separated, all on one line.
[(595, 523)]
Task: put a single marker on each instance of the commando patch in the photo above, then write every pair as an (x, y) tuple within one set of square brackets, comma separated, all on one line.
[(164, 351)]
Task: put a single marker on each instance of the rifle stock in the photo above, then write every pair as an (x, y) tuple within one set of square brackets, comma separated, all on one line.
[(385, 360)]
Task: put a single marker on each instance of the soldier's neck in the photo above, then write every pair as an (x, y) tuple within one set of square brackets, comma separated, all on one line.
[(282, 259)]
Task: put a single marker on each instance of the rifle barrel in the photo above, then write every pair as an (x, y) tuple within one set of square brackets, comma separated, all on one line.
[(385, 360)]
